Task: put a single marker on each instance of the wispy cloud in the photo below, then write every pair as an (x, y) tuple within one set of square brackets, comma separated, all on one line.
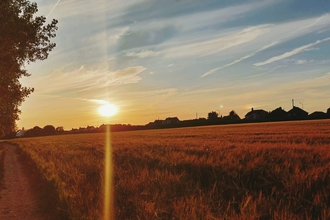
[(291, 53), (98, 101), (202, 47), (86, 79), (126, 76), (238, 60), (142, 54), (313, 23)]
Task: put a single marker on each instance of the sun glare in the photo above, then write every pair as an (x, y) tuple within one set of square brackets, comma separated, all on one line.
[(108, 110)]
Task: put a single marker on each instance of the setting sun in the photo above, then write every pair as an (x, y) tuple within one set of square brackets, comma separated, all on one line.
[(107, 110)]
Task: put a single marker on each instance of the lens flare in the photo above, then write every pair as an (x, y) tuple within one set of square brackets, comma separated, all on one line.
[(108, 210)]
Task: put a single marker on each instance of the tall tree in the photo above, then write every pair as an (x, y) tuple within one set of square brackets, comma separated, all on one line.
[(24, 38)]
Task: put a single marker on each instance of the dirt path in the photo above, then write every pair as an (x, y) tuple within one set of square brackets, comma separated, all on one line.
[(18, 194)]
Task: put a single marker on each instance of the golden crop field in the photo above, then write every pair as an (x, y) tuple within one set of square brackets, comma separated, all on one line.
[(2, 155), (247, 171)]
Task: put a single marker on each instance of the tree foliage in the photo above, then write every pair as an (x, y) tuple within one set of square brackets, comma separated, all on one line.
[(212, 115), (24, 38)]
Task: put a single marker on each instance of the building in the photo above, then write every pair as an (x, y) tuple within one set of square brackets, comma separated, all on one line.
[(171, 121), (318, 115), (297, 113), (278, 113), (258, 114), (20, 133)]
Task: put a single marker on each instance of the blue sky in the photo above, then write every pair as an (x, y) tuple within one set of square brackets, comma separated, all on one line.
[(163, 58)]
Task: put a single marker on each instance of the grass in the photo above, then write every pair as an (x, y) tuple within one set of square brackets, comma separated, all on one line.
[(2, 159), (247, 171)]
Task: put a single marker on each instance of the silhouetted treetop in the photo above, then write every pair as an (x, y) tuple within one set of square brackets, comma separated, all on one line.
[(212, 115), (24, 38)]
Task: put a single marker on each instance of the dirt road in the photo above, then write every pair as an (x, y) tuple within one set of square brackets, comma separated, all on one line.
[(19, 189)]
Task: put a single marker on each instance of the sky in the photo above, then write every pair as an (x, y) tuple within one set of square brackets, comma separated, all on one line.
[(155, 59)]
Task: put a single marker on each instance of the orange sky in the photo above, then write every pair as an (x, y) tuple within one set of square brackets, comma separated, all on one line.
[(156, 60)]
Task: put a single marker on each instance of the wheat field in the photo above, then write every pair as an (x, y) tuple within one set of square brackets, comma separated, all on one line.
[(247, 171)]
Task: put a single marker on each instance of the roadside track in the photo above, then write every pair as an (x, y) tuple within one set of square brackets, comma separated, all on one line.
[(19, 197)]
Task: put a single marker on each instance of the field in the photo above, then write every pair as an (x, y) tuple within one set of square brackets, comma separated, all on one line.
[(2, 155), (247, 171)]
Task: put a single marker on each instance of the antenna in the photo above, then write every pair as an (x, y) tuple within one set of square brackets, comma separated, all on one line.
[(292, 103)]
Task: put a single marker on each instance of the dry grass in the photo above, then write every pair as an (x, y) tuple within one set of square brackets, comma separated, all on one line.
[(251, 171), (2, 158)]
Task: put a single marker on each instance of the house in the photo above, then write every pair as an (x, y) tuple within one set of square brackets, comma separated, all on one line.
[(318, 115), (233, 116), (258, 114), (297, 113), (20, 133), (158, 122), (171, 121), (278, 113)]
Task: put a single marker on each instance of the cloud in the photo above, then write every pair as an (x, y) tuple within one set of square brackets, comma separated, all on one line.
[(142, 54), (98, 101), (299, 62), (126, 76), (291, 53), (225, 40), (317, 20), (85, 79), (239, 60), (119, 33), (146, 37)]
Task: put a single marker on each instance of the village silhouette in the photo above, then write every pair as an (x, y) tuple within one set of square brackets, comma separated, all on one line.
[(253, 116)]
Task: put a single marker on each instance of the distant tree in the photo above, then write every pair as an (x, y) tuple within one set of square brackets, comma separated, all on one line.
[(24, 38), (59, 129), (48, 130), (35, 131), (328, 112), (232, 113), (212, 115)]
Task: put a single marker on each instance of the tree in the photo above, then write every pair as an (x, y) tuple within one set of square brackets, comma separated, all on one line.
[(60, 129), (35, 131), (212, 115), (24, 38), (49, 130)]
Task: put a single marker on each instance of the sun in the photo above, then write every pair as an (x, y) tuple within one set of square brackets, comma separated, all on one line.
[(108, 110)]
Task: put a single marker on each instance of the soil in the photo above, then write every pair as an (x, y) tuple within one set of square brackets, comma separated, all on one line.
[(22, 192)]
